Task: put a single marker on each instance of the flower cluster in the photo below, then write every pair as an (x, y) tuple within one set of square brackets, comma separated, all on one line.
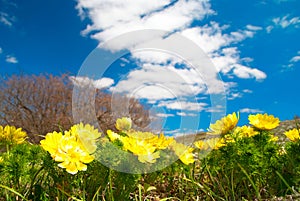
[(146, 145), (12, 135), (226, 127), (73, 148)]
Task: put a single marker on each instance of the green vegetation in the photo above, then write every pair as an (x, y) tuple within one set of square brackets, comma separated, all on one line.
[(234, 163)]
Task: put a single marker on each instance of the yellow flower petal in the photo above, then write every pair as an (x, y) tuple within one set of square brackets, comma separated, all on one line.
[(112, 135), (293, 134), (263, 121), (184, 152), (11, 134), (123, 124), (87, 135), (224, 125), (200, 145), (68, 150), (51, 142), (149, 158)]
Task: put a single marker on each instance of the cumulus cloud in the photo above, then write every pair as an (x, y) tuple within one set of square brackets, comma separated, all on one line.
[(11, 59), (85, 81), (164, 115), (112, 17), (246, 72), (161, 76), (183, 105), (250, 110), (184, 114), (253, 28), (157, 82)]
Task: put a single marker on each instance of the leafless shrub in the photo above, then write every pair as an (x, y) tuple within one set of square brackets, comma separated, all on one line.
[(43, 103)]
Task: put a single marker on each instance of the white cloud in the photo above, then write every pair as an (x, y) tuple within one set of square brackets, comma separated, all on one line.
[(11, 59), (103, 83), (234, 95), (246, 72), (158, 77), (249, 110), (211, 38), (295, 59), (282, 1), (164, 115), (183, 105), (1, 50), (217, 108), (286, 21), (157, 82), (283, 22), (292, 62), (115, 17), (85, 81), (253, 28), (6, 19), (269, 28), (216, 44), (184, 114), (247, 91)]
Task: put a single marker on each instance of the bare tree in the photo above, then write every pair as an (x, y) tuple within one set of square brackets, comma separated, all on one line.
[(43, 103)]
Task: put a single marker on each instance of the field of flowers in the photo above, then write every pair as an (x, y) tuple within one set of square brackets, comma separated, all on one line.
[(233, 163)]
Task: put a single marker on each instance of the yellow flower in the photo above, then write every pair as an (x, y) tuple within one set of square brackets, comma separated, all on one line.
[(215, 143), (141, 135), (293, 134), (220, 143), (244, 131), (184, 152), (12, 134), (136, 146), (112, 135), (148, 158), (141, 148), (162, 142), (51, 142), (68, 150), (273, 138), (72, 155), (224, 125), (201, 145), (123, 124), (228, 138), (87, 135), (1, 159), (263, 121)]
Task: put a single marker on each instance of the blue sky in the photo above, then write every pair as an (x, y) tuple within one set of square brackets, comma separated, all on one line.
[(253, 47)]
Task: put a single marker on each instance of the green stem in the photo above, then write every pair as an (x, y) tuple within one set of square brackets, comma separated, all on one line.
[(13, 191), (251, 181), (284, 181), (110, 186)]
